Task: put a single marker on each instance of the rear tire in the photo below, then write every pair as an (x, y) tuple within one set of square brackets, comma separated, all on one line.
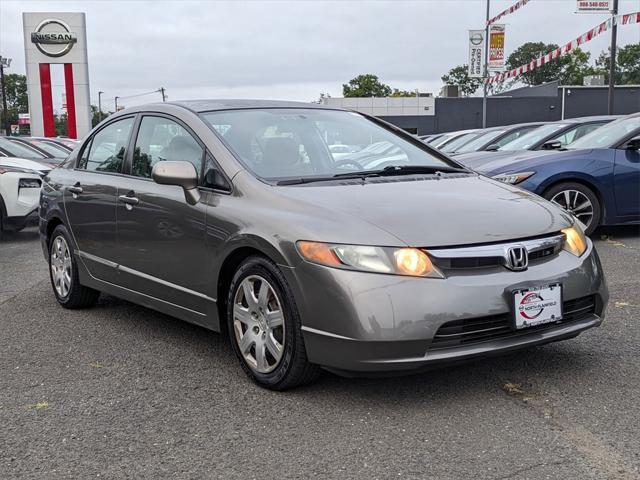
[(264, 327), (63, 272), (579, 200)]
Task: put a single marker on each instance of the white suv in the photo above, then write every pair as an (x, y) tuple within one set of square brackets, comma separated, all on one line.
[(20, 182)]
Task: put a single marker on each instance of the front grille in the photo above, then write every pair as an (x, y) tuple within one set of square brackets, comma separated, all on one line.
[(494, 254), (475, 330)]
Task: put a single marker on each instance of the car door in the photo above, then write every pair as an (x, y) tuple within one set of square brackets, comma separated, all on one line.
[(90, 201), (627, 182), (161, 238)]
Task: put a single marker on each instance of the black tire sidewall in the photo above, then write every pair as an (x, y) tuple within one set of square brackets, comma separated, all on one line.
[(61, 231), (266, 269), (593, 198)]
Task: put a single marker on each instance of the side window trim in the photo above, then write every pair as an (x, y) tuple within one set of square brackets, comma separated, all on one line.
[(87, 145), (220, 190), (134, 139)]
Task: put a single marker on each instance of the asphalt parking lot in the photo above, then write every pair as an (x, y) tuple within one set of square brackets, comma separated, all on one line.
[(120, 391)]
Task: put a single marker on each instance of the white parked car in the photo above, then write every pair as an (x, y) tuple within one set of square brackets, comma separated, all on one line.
[(20, 182)]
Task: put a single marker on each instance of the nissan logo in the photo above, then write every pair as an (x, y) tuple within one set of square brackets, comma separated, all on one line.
[(517, 258), (476, 39), (53, 38)]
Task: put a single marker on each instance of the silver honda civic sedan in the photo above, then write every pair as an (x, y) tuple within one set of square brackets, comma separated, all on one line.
[(240, 217)]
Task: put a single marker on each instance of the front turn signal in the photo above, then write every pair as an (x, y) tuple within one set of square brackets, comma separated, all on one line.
[(575, 241)]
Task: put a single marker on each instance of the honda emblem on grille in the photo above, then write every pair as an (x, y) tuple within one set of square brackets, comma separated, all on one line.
[(517, 258)]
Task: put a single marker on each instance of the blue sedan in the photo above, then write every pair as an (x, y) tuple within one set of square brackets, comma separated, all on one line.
[(596, 178)]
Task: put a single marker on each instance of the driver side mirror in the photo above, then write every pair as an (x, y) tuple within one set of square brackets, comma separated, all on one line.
[(492, 148), (552, 145), (633, 144), (181, 174)]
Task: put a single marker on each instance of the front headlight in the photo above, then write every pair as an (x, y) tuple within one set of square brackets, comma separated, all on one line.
[(512, 178), (574, 241), (396, 261)]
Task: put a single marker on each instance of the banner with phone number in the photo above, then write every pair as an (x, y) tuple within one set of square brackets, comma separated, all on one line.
[(626, 19)]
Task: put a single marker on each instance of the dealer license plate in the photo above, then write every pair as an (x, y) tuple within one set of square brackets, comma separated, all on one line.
[(537, 305)]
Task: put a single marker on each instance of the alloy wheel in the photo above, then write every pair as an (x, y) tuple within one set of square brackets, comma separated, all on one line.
[(576, 203), (61, 266), (258, 323)]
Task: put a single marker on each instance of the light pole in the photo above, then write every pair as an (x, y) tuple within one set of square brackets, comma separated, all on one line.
[(164, 96), (4, 63), (100, 106), (486, 69), (612, 60), (116, 104)]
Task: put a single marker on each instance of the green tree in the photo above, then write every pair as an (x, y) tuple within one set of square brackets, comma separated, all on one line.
[(367, 85), (61, 124), (460, 76), (629, 64), (530, 51), (95, 117), (576, 67), (17, 100), (402, 93)]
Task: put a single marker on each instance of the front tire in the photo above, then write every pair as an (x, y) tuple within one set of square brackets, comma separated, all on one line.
[(264, 327), (579, 200), (63, 272)]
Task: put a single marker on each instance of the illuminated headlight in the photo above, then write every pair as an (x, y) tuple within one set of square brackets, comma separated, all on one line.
[(574, 241), (396, 261), (29, 183), (512, 178)]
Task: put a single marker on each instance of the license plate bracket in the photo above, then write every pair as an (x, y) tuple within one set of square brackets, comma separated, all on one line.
[(536, 305)]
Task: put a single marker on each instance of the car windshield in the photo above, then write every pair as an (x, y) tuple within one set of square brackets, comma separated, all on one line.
[(609, 135), (281, 143), (454, 145), (534, 137), (51, 148), (479, 141), (16, 149)]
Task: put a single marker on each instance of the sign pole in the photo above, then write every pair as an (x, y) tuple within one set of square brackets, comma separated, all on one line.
[(100, 106), (5, 112), (612, 60), (486, 69)]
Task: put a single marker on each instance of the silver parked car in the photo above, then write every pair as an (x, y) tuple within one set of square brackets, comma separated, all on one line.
[(235, 215)]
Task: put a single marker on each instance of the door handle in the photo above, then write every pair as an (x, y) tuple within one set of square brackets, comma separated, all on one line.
[(76, 189), (128, 200)]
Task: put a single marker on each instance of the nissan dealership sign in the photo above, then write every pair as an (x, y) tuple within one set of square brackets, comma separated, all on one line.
[(57, 38), (53, 38)]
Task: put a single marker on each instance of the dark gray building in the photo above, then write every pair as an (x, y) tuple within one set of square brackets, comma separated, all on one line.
[(547, 102)]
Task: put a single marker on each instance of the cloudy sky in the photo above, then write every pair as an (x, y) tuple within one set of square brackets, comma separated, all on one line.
[(289, 49)]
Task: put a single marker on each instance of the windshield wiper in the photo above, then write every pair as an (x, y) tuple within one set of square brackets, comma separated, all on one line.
[(401, 170), (412, 169), (386, 171)]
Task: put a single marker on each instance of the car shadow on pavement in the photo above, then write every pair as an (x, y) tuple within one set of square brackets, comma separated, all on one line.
[(563, 360), (26, 235)]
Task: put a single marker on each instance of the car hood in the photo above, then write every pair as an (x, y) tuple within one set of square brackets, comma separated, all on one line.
[(453, 210), (523, 160), (24, 163), (489, 161)]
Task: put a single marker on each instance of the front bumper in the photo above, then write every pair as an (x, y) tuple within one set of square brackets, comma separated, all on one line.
[(368, 323)]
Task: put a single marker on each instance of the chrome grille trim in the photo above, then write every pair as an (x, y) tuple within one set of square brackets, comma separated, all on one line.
[(495, 254)]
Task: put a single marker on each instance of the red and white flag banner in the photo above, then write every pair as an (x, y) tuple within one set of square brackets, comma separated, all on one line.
[(508, 11), (625, 19)]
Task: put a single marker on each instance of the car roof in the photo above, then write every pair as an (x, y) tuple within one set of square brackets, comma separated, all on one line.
[(200, 106), (593, 118)]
